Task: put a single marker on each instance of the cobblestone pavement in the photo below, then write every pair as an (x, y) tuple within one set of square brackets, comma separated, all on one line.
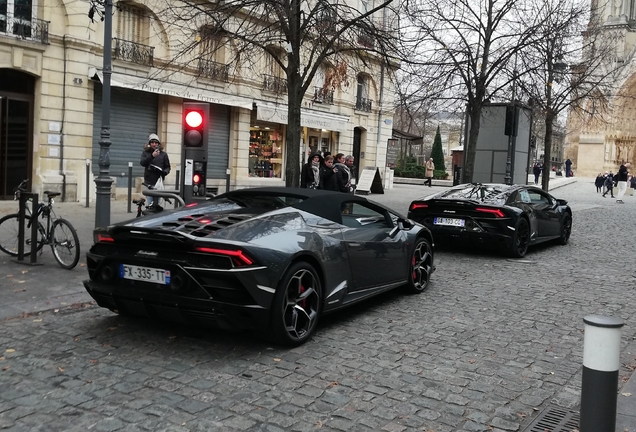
[(488, 345)]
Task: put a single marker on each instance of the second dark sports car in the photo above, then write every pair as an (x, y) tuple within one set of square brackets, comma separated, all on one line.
[(512, 216), (270, 259)]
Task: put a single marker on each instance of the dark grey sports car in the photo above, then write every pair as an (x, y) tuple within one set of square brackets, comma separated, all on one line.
[(270, 259), (512, 216)]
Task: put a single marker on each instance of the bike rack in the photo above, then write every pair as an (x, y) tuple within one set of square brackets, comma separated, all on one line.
[(166, 193), (24, 197)]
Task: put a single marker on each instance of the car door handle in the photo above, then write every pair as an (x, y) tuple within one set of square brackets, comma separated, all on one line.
[(355, 244)]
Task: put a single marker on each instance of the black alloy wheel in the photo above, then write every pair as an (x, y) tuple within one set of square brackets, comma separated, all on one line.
[(297, 305), (566, 230), (520, 240), (420, 267)]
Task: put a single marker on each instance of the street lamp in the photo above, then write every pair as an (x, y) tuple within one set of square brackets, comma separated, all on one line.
[(103, 182)]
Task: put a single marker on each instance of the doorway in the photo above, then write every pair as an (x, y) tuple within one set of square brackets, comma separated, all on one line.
[(15, 115), (16, 129), (357, 137)]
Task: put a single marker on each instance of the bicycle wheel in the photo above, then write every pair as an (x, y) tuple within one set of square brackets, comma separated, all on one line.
[(65, 244), (9, 227)]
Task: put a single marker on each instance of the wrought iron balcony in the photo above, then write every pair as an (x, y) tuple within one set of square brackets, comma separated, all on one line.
[(213, 70), (363, 104), (322, 95), (36, 30), (133, 52), (274, 84), (366, 40)]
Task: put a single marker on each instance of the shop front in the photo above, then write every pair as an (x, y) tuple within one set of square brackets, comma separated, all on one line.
[(320, 132), (266, 150)]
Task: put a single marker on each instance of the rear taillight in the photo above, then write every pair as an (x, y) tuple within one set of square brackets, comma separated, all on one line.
[(238, 257), (103, 238), (498, 213), (417, 205)]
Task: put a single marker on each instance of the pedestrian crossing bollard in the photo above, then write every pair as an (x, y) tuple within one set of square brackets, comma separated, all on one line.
[(601, 360)]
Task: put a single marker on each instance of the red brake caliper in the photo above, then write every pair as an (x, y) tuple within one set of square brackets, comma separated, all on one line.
[(303, 302), (413, 261)]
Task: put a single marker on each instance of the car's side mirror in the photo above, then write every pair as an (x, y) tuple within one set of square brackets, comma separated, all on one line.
[(561, 202)]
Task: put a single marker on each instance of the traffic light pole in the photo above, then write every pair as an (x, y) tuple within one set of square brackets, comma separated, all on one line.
[(103, 182)]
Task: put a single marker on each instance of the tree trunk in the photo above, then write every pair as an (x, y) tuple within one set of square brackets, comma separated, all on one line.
[(293, 159), (470, 148), (547, 151)]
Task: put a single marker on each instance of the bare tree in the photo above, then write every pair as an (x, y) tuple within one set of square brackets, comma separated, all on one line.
[(296, 39), (466, 47), (567, 66)]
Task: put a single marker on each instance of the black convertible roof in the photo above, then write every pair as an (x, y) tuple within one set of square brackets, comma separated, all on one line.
[(326, 204)]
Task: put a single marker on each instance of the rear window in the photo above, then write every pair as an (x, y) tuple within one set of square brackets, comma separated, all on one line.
[(262, 201), (478, 192)]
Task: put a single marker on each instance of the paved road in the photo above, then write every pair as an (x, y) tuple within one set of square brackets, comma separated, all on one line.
[(490, 344)]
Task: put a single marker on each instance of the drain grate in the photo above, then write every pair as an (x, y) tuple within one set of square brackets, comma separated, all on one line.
[(555, 419)]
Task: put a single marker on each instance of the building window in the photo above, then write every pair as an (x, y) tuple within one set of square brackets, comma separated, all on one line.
[(133, 24), (16, 16), (212, 54), (363, 103), (266, 150)]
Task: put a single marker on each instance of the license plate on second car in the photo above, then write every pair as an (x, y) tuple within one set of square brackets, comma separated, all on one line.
[(448, 221), (145, 274)]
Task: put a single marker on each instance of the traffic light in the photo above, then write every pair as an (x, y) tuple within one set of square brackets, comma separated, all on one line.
[(198, 178), (194, 155), (196, 121)]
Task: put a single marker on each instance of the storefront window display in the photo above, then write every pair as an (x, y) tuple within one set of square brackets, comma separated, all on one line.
[(266, 151)]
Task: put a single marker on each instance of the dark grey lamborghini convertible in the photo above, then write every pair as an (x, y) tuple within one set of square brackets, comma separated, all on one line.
[(271, 259)]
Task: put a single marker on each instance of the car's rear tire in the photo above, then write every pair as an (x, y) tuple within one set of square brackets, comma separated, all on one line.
[(297, 305), (420, 267), (520, 239), (566, 230)]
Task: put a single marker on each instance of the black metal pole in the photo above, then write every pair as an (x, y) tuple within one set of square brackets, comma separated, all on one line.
[(177, 180), (34, 228), (103, 181), (88, 180), (228, 172), (130, 177), (599, 383)]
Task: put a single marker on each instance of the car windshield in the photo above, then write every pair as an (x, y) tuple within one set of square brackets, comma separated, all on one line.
[(494, 194)]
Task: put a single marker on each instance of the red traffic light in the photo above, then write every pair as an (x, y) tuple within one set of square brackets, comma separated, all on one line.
[(196, 178), (194, 119)]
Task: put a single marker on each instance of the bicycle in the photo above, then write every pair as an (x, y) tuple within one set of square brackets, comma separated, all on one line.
[(59, 233)]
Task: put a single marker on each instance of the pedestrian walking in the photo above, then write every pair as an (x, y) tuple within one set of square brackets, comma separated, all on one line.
[(430, 171), (568, 168), (536, 170), (609, 184), (621, 182)]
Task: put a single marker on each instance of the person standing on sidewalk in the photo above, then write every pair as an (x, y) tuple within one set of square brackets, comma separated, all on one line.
[(621, 179), (156, 165), (430, 171)]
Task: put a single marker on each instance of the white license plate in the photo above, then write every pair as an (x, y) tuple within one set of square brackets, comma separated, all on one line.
[(449, 221), (146, 274)]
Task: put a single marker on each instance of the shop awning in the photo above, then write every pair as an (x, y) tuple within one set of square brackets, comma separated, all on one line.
[(275, 113), (172, 89)]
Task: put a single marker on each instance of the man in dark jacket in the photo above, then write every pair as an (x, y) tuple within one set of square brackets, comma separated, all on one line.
[(156, 164), (609, 184)]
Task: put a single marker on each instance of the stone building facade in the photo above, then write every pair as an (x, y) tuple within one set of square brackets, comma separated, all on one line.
[(50, 103), (608, 139)]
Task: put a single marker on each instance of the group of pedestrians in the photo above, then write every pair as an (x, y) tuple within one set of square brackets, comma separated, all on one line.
[(335, 173), (605, 183)]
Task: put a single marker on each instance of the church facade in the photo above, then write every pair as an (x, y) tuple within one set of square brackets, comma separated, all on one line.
[(607, 139)]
